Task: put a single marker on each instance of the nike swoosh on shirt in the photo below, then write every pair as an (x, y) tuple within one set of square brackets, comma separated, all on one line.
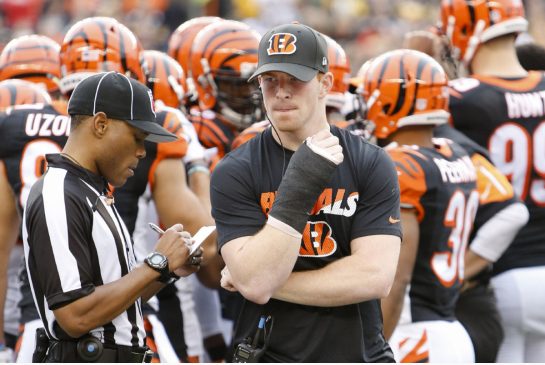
[(392, 220)]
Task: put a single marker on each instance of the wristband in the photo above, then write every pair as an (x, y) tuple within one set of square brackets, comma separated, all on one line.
[(195, 169), (173, 278)]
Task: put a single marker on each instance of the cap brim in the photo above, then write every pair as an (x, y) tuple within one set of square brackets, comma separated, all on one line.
[(300, 72), (156, 133)]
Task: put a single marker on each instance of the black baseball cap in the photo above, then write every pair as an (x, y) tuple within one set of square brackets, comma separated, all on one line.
[(295, 49), (120, 97)]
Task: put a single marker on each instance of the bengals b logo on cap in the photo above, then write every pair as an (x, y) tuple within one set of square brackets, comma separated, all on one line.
[(282, 44)]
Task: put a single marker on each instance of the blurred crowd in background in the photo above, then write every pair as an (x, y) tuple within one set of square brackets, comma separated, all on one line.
[(365, 28)]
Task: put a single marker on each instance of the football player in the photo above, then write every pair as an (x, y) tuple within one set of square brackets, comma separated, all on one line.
[(500, 216), (29, 66), (501, 108), (407, 96), (13, 94), (223, 56)]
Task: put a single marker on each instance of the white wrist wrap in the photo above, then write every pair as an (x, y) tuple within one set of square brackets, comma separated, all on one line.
[(281, 226)]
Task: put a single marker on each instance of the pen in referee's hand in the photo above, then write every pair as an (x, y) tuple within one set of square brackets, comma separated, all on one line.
[(156, 228)]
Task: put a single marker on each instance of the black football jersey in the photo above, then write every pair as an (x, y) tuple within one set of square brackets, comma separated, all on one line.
[(507, 117), (440, 184), (495, 191), (27, 134), (360, 200)]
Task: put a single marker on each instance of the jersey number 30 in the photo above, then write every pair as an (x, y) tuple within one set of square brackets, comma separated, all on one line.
[(448, 266)]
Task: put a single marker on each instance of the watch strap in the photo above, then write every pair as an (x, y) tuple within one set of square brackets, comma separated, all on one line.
[(164, 272)]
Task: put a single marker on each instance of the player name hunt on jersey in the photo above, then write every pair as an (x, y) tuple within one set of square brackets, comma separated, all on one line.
[(461, 170), (525, 105), (45, 125)]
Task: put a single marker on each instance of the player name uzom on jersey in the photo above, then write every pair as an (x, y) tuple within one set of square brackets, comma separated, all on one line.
[(45, 125), (525, 105), (459, 171)]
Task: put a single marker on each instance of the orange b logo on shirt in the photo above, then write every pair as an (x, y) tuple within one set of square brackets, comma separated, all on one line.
[(281, 44), (317, 240)]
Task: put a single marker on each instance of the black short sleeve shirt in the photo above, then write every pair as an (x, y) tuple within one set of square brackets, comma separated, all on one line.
[(361, 199)]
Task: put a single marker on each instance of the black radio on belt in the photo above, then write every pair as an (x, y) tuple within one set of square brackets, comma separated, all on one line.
[(42, 344), (89, 348), (252, 350)]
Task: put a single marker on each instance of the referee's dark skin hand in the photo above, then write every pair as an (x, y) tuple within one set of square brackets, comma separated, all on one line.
[(173, 244), (108, 301)]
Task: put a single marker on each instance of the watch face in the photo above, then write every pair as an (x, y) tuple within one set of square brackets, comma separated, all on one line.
[(156, 259)]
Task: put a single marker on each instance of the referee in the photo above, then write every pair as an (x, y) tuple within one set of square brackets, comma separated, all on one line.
[(86, 284)]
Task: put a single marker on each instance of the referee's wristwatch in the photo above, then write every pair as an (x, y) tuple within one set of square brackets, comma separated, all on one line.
[(158, 262)]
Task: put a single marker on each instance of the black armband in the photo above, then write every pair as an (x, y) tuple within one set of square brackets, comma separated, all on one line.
[(306, 177)]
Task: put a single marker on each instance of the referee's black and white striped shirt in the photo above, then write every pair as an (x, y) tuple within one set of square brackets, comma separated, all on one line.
[(74, 241)]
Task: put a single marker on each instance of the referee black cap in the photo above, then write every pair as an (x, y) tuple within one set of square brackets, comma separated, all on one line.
[(119, 97)]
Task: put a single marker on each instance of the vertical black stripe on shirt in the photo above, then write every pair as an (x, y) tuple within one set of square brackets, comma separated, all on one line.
[(78, 224), (171, 315), (131, 311), (45, 253)]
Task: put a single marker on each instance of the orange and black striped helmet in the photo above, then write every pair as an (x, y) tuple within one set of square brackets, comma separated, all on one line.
[(33, 58), (99, 44), (164, 77), (223, 57), (179, 48), (17, 92), (403, 88), (339, 65), (181, 40), (468, 23)]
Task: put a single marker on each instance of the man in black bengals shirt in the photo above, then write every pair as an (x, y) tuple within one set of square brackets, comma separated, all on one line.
[(307, 214)]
